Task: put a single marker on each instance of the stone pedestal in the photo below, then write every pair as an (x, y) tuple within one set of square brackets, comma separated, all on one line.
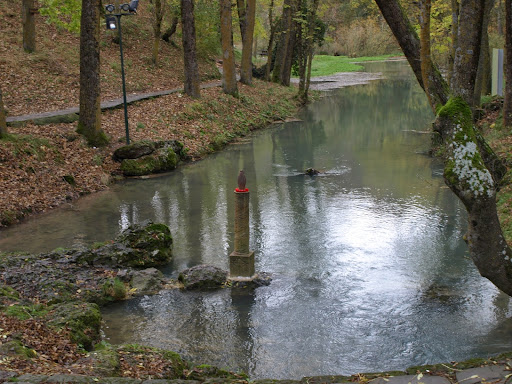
[(241, 261), (241, 265)]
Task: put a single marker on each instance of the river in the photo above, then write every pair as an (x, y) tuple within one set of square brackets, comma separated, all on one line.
[(369, 268)]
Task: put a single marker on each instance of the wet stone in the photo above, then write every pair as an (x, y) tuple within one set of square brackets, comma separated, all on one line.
[(493, 373), (120, 380), (67, 379), (203, 277), (5, 375), (32, 379), (411, 379)]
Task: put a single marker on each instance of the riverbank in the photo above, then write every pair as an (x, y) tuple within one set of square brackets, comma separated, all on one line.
[(45, 166)]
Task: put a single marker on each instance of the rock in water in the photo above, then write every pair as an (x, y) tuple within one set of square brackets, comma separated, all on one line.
[(203, 277)]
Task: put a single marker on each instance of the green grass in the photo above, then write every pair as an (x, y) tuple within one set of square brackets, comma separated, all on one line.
[(324, 65)]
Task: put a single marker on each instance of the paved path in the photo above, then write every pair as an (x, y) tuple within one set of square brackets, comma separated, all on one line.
[(116, 103)]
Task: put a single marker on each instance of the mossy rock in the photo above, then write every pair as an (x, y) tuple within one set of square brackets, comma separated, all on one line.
[(25, 312), (134, 150), (16, 348), (171, 365), (203, 277), (8, 293), (140, 246), (105, 361), (151, 245), (162, 160), (204, 372), (82, 319), (326, 379)]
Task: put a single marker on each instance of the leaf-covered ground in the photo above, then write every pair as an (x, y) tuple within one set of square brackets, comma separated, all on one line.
[(45, 166)]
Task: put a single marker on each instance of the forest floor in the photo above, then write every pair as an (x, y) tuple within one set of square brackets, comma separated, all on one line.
[(36, 160)]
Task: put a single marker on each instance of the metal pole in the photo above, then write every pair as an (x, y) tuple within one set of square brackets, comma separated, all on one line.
[(124, 82)]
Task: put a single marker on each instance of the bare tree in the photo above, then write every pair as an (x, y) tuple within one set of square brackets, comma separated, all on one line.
[(192, 81)]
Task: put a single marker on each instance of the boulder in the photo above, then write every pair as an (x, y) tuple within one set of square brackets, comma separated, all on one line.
[(161, 160), (82, 319), (134, 150), (140, 246), (203, 277)]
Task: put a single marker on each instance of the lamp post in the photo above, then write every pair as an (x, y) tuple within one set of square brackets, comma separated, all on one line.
[(113, 20)]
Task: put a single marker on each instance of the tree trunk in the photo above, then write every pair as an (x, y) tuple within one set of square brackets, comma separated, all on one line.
[(282, 43), (192, 81), (29, 25), (484, 64), (465, 64), (242, 16), (247, 41), (466, 175), (284, 52), (228, 59), (270, 46), (171, 30), (306, 47), (454, 34), (89, 123), (410, 44), (3, 123), (507, 104), (425, 54), (158, 14), (286, 68), (471, 169)]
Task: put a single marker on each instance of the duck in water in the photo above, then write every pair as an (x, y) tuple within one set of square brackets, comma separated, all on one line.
[(311, 172)]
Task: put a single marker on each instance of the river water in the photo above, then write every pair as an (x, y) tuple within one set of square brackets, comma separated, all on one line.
[(369, 268)]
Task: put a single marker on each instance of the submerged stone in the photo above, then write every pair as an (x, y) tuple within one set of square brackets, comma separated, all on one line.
[(147, 281)]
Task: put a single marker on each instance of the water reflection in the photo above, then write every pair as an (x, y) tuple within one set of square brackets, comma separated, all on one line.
[(370, 270)]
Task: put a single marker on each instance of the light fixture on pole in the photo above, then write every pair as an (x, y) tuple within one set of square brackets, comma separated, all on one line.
[(113, 22)]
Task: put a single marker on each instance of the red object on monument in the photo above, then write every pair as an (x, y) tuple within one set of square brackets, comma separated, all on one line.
[(241, 190)]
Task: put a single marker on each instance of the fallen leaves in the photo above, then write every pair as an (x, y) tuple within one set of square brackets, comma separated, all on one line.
[(51, 351)]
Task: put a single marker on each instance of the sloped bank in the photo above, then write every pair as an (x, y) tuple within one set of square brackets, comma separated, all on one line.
[(57, 158)]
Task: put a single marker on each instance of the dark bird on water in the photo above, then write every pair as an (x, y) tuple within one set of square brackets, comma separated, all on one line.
[(241, 181)]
